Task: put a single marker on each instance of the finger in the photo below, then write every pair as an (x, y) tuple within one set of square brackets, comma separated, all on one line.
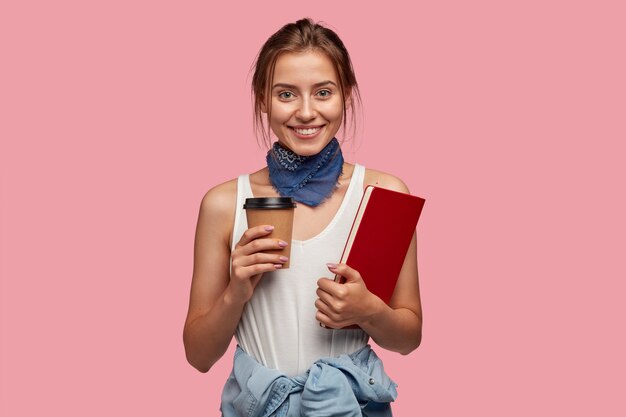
[(262, 258), (334, 309), (254, 233), (324, 296), (326, 284), (328, 322), (333, 288), (324, 320), (259, 245), (257, 269), (321, 306), (326, 309), (345, 271), (253, 272)]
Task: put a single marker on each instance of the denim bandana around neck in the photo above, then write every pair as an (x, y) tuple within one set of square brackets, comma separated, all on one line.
[(308, 179)]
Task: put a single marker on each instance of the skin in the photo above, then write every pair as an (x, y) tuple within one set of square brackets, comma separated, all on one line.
[(304, 92)]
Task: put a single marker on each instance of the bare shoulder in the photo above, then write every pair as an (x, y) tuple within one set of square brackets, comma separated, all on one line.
[(220, 199), (217, 211), (384, 180)]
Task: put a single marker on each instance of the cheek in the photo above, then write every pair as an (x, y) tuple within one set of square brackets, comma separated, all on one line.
[(279, 114), (334, 111)]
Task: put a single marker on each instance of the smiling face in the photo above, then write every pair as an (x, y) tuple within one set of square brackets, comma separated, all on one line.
[(306, 102)]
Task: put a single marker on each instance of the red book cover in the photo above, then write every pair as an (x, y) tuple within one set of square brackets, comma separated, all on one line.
[(380, 237)]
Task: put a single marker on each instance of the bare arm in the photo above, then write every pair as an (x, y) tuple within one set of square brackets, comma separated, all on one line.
[(397, 327), (217, 299)]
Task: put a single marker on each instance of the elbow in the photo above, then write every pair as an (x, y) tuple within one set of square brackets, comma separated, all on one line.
[(200, 365), (195, 360), (415, 339), (200, 368), (412, 344)]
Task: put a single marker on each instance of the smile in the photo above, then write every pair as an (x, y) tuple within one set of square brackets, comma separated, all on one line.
[(307, 131)]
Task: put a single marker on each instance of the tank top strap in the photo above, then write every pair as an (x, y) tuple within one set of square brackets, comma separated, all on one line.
[(355, 192), (359, 177), (241, 223)]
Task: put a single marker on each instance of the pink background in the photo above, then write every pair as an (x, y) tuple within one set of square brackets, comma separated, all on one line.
[(508, 117)]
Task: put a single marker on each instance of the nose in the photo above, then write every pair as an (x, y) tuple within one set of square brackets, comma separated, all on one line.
[(306, 111)]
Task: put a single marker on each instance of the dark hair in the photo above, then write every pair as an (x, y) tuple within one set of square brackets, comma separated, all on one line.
[(303, 35)]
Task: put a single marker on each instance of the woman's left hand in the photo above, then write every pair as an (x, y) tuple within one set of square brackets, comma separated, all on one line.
[(340, 305)]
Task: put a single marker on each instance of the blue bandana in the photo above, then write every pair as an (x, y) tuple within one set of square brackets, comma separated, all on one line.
[(308, 179)]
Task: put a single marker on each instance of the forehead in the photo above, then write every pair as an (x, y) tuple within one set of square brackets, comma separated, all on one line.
[(303, 68)]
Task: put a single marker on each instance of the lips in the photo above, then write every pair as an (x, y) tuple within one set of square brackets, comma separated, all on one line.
[(306, 132), (309, 131)]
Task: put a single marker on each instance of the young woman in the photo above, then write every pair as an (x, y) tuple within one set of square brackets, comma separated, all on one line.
[(293, 353)]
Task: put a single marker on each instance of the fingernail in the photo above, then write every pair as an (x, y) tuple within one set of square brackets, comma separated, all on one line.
[(269, 228), (282, 244), (278, 266), (331, 266), (283, 259)]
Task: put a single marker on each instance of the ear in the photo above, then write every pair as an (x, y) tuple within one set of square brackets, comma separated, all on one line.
[(263, 105)]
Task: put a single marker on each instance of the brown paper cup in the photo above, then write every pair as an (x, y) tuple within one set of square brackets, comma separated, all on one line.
[(275, 211)]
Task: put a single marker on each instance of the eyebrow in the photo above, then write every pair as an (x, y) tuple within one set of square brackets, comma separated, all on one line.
[(316, 85)]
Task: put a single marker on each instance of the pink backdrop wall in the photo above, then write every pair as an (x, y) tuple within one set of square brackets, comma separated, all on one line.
[(508, 117)]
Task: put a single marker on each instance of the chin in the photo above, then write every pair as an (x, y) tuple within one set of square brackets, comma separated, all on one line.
[(305, 148)]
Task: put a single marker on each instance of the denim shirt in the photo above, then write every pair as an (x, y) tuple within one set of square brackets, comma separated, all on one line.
[(349, 385)]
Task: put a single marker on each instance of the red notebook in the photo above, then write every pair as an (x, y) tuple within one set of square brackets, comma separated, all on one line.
[(380, 237)]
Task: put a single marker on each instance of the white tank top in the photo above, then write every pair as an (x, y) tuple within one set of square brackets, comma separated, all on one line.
[(278, 326)]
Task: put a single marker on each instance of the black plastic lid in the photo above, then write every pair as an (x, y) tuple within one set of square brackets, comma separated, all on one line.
[(268, 203)]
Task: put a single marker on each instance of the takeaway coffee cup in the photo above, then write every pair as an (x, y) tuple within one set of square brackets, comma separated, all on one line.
[(275, 211)]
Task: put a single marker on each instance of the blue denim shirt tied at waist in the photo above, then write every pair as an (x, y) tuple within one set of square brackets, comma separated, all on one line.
[(349, 385)]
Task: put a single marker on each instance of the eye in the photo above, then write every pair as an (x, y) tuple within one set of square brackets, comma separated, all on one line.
[(324, 93), (285, 95)]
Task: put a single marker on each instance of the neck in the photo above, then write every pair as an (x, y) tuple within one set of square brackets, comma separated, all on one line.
[(308, 179)]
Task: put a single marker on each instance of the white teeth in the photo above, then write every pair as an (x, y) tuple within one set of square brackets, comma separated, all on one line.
[(307, 131)]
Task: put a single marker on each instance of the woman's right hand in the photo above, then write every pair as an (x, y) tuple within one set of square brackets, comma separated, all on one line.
[(249, 263)]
